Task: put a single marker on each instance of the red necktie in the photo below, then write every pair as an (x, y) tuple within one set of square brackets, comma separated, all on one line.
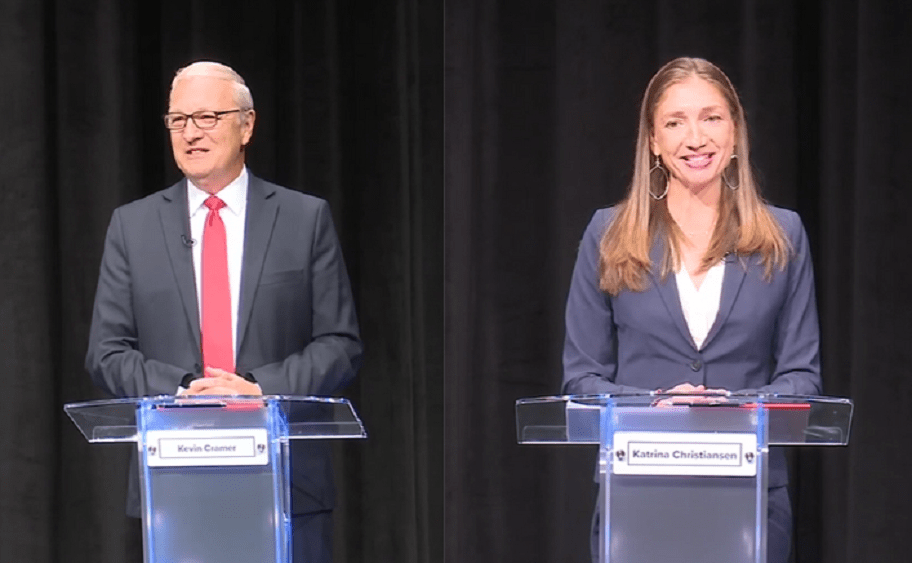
[(218, 351)]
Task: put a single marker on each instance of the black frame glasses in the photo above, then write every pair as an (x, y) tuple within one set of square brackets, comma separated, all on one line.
[(202, 119)]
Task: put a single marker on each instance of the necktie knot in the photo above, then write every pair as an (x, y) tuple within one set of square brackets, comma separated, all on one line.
[(214, 203)]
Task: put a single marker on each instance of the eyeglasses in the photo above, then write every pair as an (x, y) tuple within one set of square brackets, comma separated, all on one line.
[(202, 119)]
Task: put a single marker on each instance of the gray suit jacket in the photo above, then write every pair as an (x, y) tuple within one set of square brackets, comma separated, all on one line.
[(297, 330), (765, 337)]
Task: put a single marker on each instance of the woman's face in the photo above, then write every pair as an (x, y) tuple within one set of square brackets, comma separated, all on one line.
[(694, 133)]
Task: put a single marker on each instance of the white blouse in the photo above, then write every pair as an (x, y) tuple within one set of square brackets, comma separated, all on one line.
[(700, 306)]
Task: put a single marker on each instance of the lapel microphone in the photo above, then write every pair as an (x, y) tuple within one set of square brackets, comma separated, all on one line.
[(188, 242)]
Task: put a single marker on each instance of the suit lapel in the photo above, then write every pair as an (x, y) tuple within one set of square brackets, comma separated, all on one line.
[(175, 222), (262, 209), (668, 291), (735, 271)]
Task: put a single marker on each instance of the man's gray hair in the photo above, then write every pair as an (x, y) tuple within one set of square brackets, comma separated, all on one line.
[(211, 69)]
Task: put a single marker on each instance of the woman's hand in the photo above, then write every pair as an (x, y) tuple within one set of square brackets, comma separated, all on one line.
[(698, 397)]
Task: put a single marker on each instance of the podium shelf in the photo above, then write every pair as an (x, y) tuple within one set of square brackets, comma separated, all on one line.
[(308, 418), (793, 419)]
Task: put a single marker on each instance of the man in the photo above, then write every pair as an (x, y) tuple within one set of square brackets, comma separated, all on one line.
[(257, 267)]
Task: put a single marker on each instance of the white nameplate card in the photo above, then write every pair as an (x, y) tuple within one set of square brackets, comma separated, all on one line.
[(232, 446), (684, 453)]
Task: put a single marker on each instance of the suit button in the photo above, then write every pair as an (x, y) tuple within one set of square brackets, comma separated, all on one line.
[(197, 368), (696, 365)]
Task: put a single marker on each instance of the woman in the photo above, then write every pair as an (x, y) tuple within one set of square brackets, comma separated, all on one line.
[(692, 283)]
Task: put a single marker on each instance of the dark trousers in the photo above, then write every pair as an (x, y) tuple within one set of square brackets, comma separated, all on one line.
[(779, 526), (778, 532), (312, 537)]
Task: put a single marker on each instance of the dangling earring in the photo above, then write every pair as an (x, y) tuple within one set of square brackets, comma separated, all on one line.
[(731, 185), (658, 166)]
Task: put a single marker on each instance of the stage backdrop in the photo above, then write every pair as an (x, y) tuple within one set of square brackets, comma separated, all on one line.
[(349, 99), (541, 109)]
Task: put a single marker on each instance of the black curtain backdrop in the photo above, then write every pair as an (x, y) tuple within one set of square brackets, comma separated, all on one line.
[(541, 110), (349, 99)]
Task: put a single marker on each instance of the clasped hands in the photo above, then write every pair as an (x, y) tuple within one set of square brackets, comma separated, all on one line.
[(221, 382), (691, 395)]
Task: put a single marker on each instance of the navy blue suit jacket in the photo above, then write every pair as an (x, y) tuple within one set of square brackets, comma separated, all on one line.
[(297, 331), (765, 337)]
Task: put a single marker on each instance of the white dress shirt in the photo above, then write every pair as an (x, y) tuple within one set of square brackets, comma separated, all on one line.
[(700, 305), (233, 216)]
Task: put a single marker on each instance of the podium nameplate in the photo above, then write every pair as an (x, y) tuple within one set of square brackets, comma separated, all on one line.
[(685, 454), (212, 447)]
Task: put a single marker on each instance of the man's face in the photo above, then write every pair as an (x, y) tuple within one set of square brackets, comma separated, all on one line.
[(210, 158)]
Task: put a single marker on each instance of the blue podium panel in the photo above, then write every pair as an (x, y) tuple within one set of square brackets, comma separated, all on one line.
[(214, 473), (684, 484)]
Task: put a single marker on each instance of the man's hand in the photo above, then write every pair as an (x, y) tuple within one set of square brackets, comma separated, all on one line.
[(688, 389), (221, 382)]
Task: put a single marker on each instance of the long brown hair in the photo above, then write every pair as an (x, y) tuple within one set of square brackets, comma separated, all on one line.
[(744, 226)]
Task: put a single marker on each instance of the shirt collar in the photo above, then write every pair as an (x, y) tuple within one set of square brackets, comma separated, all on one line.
[(234, 195)]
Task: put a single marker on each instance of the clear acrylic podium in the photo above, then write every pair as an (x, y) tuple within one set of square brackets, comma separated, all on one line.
[(683, 478), (215, 463)]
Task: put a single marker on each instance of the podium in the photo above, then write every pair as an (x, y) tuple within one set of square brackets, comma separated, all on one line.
[(215, 463), (683, 478)]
